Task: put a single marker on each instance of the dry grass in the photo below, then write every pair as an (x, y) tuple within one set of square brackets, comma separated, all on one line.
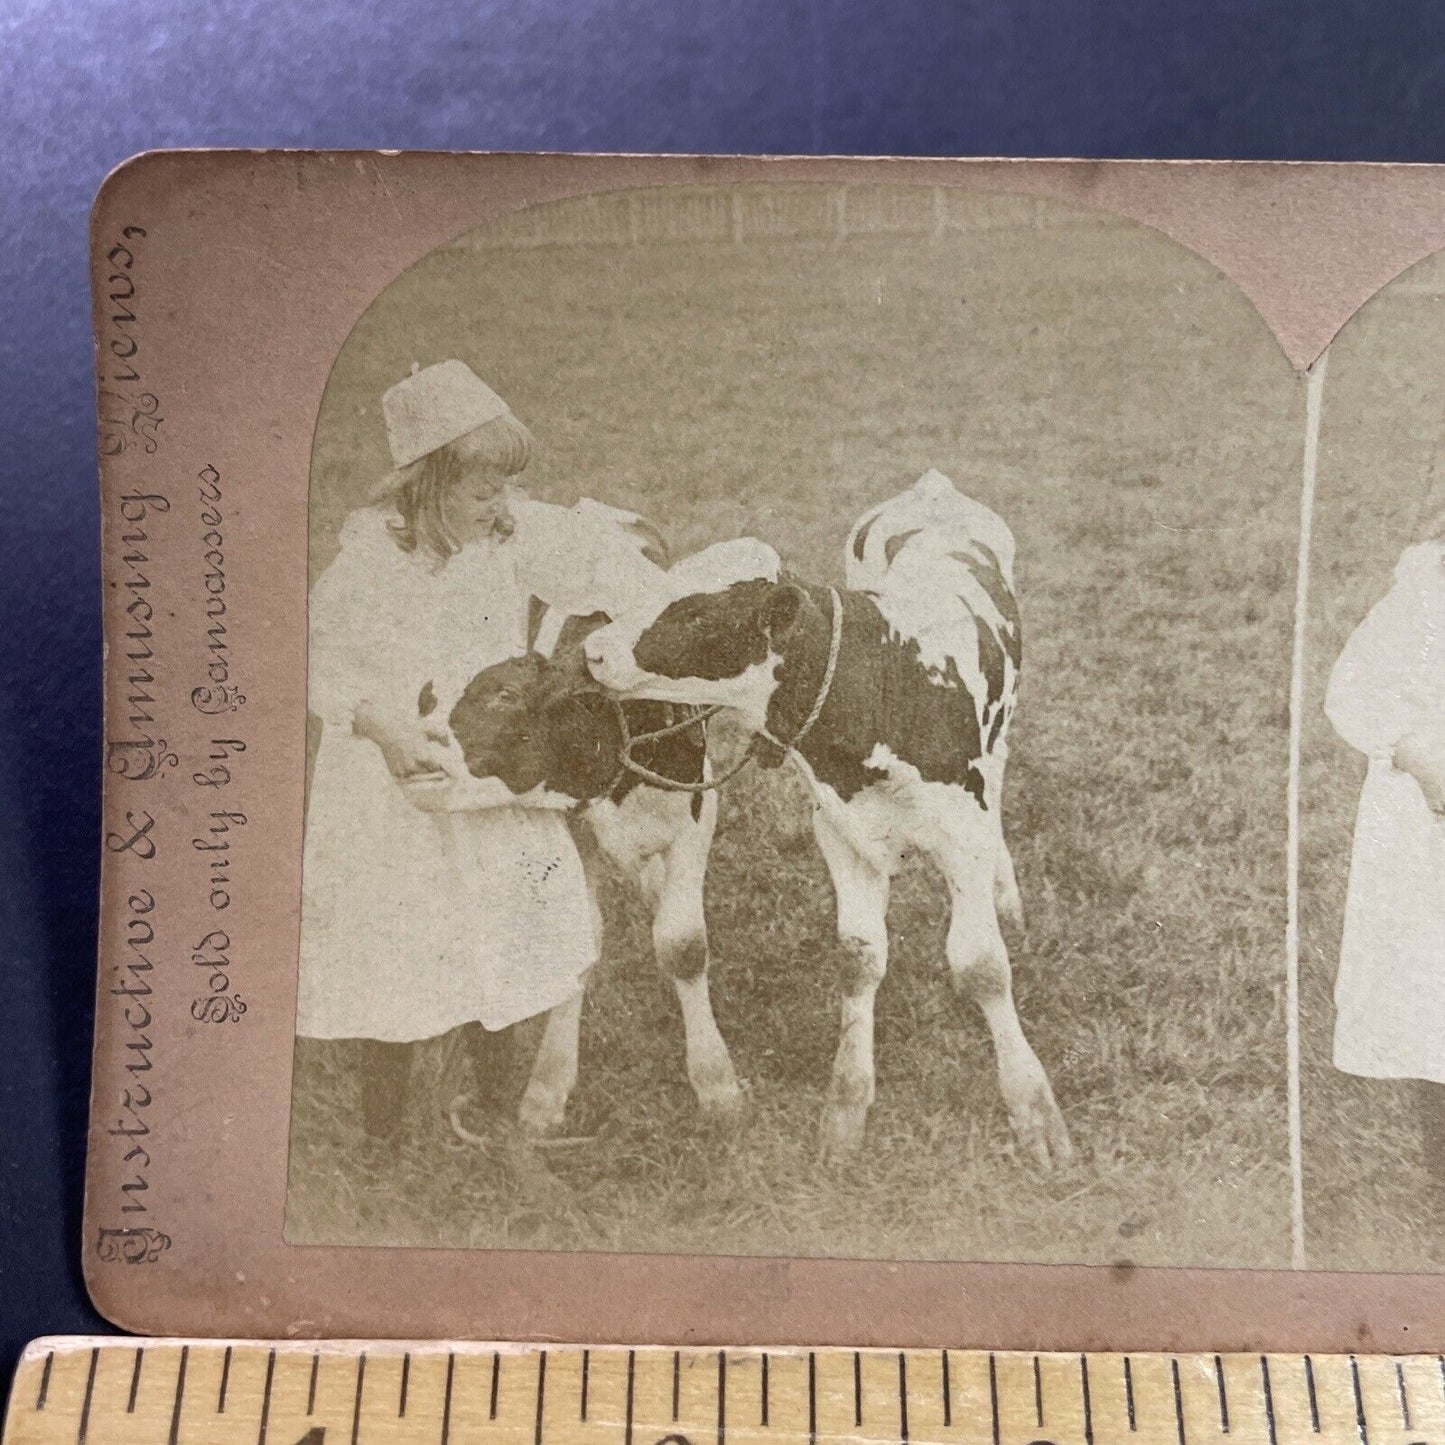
[(1127, 412)]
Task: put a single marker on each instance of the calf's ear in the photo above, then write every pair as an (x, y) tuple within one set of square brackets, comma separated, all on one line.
[(780, 611)]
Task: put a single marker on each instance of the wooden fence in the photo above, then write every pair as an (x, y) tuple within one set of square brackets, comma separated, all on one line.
[(785, 211)]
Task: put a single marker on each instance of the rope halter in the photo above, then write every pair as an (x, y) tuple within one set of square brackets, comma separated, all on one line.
[(699, 718)]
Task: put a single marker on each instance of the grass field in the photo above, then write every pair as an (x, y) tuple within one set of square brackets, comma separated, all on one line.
[(1365, 1192), (1130, 416)]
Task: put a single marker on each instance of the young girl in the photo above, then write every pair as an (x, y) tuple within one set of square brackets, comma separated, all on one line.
[(468, 910), (1386, 698)]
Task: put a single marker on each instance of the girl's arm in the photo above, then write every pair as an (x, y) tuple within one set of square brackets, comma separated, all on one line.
[(409, 746), (1421, 753), (452, 789)]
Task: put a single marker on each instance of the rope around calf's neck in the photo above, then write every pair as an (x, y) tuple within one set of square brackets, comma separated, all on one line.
[(835, 646), (629, 764)]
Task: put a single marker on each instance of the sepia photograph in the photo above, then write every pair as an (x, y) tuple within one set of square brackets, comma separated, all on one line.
[(798, 739), (1372, 787)]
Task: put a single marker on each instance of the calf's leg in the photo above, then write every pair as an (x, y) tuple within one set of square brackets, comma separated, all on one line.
[(860, 889), (1008, 901), (978, 962), (673, 883), (554, 1071), (554, 1074)]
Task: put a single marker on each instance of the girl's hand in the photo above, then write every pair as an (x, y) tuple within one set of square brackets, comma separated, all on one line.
[(1422, 755), (408, 745)]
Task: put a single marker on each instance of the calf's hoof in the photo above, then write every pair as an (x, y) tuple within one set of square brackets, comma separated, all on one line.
[(1039, 1126), (722, 1113), (542, 1111), (719, 1094), (1011, 913), (842, 1130), (723, 1106)]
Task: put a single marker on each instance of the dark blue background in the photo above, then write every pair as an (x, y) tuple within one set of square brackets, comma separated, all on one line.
[(84, 85)]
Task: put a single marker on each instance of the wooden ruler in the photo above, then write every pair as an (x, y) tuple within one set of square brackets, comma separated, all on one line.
[(170, 1392)]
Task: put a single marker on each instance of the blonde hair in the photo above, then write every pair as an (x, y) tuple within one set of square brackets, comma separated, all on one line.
[(501, 447)]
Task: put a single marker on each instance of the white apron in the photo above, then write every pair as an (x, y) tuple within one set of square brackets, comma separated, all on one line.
[(1388, 682), (415, 922)]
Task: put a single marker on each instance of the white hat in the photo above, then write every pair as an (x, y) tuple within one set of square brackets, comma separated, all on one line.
[(436, 405)]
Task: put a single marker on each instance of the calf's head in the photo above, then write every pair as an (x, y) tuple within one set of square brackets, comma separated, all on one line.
[(533, 721), (716, 639)]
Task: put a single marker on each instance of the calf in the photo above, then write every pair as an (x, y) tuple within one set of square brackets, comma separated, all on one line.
[(539, 722), (894, 696)]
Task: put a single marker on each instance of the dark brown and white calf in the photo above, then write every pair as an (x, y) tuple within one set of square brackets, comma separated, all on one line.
[(542, 724), (907, 751)]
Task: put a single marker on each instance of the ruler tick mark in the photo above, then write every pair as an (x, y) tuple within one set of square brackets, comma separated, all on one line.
[(722, 1396), (858, 1390), (541, 1395), (1404, 1397), (631, 1368), (266, 1398), (763, 1421), (134, 1382), (947, 1396), (1178, 1402), (496, 1383), (45, 1380), (993, 1396), (1268, 1399), (1088, 1401), (586, 1371), (1223, 1398), (1310, 1391), (903, 1397), (84, 1427), (225, 1381), (676, 1382), (174, 1436), (1359, 1402), (405, 1381), (311, 1389), (1129, 1393), (447, 1399), (1038, 1394), (812, 1398), (356, 1407)]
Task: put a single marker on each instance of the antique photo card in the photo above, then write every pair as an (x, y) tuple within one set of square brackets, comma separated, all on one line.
[(1011, 423), (749, 749)]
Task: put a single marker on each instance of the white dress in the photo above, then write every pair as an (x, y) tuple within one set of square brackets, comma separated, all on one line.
[(1388, 682), (415, 922)]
